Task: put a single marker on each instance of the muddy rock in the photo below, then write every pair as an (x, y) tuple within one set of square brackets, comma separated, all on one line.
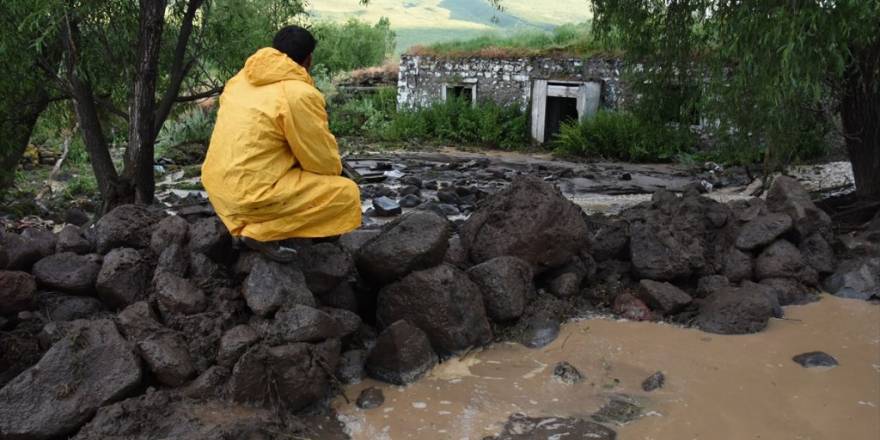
[(818, 253), (125, 226), (505, 283), (271, 285), (567, 373), (351, 366), (72, 239), (174, 259), (68, 272), (654, 382), (178, 296), (16, 291), (539, 332), (619, 410), (206, 272), (663, 298), (530, 220), (170, 230), (160, 416), (455, 254), (17, 253), (770, 292), (342, 297), (786, 195), (45, 241), (370, 398), (58, 307), (19, 350), (780, 260), (815, 359), (737, 265), (208, 385), (402, 354), (89, 368), (856, 278), (386, 207), (138, 321), (735, 311), (762, 231), (521, 427), (166, 355), (124, 278), (710, 284), (416, 241), (234, 343), (299, 323), (325, 265), (353, 241), (789, 291), (294, 374), (660, 253), (629, 307), (76, 216), (347, 321), (210, 237), (443, 302), (410, 201), (607, 239)]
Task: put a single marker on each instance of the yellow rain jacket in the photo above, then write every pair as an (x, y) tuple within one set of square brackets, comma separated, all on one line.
[(273, 168)]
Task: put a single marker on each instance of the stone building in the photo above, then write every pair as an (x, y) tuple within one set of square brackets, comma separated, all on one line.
[(551, 89)]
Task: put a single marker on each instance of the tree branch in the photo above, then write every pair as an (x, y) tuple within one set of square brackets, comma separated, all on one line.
[(202, 95), (179, 68)]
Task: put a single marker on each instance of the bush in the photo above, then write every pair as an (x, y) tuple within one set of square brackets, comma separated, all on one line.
[(351, 45), (623, 136)]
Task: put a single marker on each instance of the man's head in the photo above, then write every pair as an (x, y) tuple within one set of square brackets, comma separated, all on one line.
[(297, 43)]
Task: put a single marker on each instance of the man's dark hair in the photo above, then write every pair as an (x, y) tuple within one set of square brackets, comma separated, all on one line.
[(296, 42)]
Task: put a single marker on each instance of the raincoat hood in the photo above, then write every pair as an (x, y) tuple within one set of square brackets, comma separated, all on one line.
[(269, 65)]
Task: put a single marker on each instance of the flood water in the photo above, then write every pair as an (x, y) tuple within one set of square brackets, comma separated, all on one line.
[(717, 387)]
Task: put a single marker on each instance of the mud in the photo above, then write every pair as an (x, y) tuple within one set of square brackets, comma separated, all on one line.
[(716, 386)]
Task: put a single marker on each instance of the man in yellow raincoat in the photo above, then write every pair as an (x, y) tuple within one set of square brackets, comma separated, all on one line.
[(272, 171)]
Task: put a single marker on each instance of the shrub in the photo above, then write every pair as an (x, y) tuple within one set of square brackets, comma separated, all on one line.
[(623, 136)]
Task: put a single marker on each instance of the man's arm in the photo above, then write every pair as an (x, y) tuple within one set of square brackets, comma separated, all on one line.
[(308, 133)]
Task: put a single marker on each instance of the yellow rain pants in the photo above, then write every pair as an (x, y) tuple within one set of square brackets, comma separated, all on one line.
[(273, 168)]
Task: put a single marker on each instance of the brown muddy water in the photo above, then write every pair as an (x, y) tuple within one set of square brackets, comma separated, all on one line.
[(717, 387)]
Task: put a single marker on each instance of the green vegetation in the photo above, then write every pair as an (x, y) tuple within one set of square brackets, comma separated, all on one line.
[(774, 75), (375, 117), (352, 45), (569, 39), (623, 136)]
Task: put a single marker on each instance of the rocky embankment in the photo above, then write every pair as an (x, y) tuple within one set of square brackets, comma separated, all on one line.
[(154, 326)]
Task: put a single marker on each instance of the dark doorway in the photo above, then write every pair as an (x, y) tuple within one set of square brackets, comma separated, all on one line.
[(463, 93), (559, 111)]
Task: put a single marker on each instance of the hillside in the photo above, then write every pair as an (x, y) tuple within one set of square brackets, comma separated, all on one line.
[(421, 22)]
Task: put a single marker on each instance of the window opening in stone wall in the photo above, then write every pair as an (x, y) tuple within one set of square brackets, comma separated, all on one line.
[(464, 93), (560, 110)]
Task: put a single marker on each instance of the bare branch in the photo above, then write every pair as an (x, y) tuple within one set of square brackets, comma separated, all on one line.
[(179, 68)]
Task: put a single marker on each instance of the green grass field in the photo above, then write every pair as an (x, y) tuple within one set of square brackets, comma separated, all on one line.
[(425, 22)]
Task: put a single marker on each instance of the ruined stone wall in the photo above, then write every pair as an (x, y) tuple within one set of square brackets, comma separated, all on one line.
[(505, 81)]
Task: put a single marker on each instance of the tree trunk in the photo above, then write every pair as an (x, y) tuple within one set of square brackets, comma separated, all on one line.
[(860, 114), (16, 126), (141, 136)]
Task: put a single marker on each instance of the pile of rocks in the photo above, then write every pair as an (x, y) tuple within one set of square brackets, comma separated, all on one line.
[(148, 325)]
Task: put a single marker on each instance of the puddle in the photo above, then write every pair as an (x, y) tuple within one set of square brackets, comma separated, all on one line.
[(732, 387)]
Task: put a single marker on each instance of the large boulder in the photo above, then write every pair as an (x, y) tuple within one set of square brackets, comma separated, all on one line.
[(58, 307), (663, 297), (735, 311), (818, 253), (530, 220), (19, 253), (779, 260), (68, 272), (209, 236), (138, 321), (506, 283), (295, 375), (762, 231), (416, 241), (270, 285), (737, 265), (125, 226), (124, 278), (325, 265), (167, 357), (856, 278), (661, 253), (607, 239), (234, 343), (402, 354), (786, 195), (352, 241), (87, 369), (16, 292), (162, 416), (173, 229), (443, 302), (178, 296), (299, 323), (44, 241), (72, 239)]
